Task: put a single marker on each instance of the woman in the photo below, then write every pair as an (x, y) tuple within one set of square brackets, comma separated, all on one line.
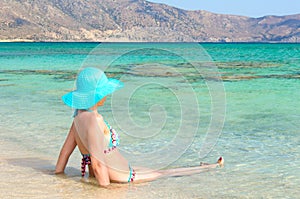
[(97, 141)]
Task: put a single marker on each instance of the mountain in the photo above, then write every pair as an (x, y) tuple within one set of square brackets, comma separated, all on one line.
[(135, 20)]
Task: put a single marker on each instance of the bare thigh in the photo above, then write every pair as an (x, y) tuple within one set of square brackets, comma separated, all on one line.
[(145, 174)]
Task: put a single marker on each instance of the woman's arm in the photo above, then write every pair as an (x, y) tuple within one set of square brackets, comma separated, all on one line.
[(100, 171), (66, 151)]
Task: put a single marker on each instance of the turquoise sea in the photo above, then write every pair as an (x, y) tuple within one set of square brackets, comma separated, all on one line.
[(182, 104)]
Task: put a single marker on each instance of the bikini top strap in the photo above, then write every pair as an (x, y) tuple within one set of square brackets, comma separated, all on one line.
[(107, 124)]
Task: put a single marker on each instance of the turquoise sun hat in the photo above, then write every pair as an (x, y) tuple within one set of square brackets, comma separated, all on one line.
[(91, 86)]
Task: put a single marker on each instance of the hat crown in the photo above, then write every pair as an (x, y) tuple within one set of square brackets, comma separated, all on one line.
[(90, 78), (91, 86)]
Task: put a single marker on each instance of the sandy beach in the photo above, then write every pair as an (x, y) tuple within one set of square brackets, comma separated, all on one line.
[(26, 174)]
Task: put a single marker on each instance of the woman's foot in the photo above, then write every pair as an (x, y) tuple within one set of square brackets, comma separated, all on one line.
[(221, 161)]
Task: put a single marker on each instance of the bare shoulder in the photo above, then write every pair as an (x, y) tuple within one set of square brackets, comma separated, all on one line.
[(86, 115), (85, 118)]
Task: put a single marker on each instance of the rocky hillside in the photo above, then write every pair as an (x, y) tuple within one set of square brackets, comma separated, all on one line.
[(135, 20)]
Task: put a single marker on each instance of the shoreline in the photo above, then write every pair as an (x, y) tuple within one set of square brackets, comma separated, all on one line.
[(123, 41), (15, 40)]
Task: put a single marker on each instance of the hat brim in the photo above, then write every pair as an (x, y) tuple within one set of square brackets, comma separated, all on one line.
[(85, 100)]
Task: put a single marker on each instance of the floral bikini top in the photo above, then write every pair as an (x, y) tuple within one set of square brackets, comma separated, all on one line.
[(114, 139)]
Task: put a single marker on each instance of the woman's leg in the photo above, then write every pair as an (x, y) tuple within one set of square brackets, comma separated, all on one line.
[(143, 175), (192, 170), (91, 172)]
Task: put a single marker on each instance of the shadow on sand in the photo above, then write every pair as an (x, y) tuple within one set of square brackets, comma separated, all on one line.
[(42, 165), (47, 167)]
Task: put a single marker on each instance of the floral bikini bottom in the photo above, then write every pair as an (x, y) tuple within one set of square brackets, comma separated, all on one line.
[(86, 160)]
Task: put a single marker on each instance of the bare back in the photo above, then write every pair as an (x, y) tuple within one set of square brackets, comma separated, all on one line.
[(84, 130)]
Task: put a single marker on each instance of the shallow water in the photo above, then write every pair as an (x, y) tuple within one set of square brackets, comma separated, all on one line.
[(259, 140)]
